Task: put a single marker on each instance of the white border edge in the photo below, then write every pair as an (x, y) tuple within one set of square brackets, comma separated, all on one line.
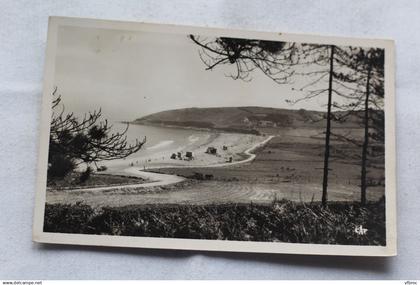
[(216, 245)]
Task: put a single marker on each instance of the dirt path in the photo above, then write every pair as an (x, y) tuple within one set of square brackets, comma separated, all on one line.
[(209, 192), (158, 179)]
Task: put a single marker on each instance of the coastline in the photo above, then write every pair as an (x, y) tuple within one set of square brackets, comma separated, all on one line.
[(204, 160), (229, 147)]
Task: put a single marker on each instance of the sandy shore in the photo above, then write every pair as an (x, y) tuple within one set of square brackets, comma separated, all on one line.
[(118, 194), (236, 147), (239, 147)]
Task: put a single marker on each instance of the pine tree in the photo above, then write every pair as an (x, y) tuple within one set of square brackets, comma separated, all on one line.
[(88, 140)]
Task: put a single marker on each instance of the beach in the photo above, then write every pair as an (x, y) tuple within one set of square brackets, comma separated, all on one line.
[(230, 148)]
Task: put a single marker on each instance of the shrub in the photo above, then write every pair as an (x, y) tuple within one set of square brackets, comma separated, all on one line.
[(281, 221), (85, 175), (59, 166), (68, 219)]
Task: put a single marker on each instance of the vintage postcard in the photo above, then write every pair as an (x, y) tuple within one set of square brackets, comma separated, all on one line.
[(161, 136)]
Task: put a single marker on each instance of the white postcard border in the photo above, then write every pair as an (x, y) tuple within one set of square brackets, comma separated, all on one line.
[(217, 245)]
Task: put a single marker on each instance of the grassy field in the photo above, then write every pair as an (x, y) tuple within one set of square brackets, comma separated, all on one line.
[(280, 221), (290, 166), (72, 181), (297, 156)]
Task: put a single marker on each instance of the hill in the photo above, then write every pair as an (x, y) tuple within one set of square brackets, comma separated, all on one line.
[(243, 119)]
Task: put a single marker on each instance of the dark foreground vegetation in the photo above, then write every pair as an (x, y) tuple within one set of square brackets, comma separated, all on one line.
[(76, 180), (284, 221)]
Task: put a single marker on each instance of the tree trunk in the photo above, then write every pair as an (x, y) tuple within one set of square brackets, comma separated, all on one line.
[(328, 132), (365, 142)]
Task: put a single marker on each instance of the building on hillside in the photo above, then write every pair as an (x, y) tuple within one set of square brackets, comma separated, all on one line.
[(211, 150)]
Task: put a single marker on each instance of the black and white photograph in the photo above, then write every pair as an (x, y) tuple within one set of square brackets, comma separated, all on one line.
[(194, 138)]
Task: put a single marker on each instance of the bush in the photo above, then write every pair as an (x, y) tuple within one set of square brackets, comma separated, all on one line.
[(282, 221), (68, 219), (59, 166), (85, 175)]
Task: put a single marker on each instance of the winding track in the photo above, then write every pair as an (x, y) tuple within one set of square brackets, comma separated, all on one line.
[(159, 179)]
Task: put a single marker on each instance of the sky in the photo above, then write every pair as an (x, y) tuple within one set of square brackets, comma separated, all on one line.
[(132, 74)]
